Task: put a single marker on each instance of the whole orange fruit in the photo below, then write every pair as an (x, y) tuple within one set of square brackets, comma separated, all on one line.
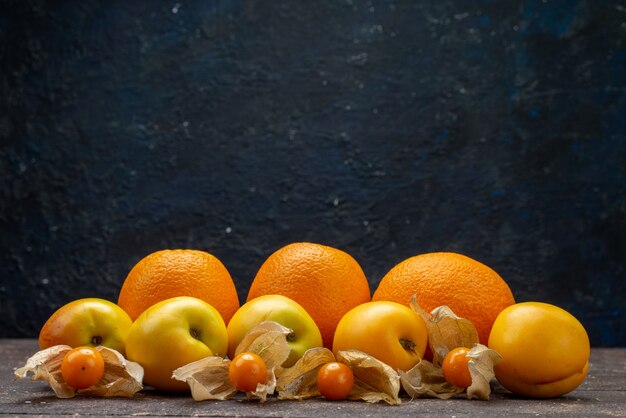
[(170, 273), (327, 282), (471, 289)]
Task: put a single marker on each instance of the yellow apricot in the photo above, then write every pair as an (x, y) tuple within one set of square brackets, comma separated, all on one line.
[(544, 349)]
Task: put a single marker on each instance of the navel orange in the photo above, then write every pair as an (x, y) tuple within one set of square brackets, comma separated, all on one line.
[(326, 281), (170, 273), (471, 289)]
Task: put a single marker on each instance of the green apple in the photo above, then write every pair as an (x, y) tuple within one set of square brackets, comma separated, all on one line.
[(173, 333), (287, 312), (88, 322)]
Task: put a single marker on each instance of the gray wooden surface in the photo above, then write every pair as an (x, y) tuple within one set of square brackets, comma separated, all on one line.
[(602, 394)]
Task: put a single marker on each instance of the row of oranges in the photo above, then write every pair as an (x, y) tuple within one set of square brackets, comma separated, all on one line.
[(326, 281)]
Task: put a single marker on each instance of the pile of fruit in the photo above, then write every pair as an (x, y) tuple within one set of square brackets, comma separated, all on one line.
[(437, 325)]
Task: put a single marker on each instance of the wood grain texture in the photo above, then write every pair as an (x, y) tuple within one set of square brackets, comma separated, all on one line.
[(602, 394)]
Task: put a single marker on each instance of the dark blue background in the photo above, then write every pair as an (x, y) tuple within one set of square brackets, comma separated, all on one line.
[(385, 128)]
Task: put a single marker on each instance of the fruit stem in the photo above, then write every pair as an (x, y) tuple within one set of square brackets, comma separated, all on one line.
[(291, 337), (96, 340), (408, 345)]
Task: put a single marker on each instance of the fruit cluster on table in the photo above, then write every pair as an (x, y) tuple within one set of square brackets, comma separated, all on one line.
[(176, 308)]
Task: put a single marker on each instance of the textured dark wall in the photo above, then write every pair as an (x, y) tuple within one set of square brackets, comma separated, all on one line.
[(385, 128)]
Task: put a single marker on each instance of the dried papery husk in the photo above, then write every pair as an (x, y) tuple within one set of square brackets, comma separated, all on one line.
[(46, 365), (425, 380), (481, 367), (268, 340), (446, 330), (374, 381), (207, 378), (300, 380), (121, 378), (263, 390)]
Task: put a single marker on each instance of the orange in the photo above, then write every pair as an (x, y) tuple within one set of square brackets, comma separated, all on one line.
[(327, 282), (170, 273), (471, 289)]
